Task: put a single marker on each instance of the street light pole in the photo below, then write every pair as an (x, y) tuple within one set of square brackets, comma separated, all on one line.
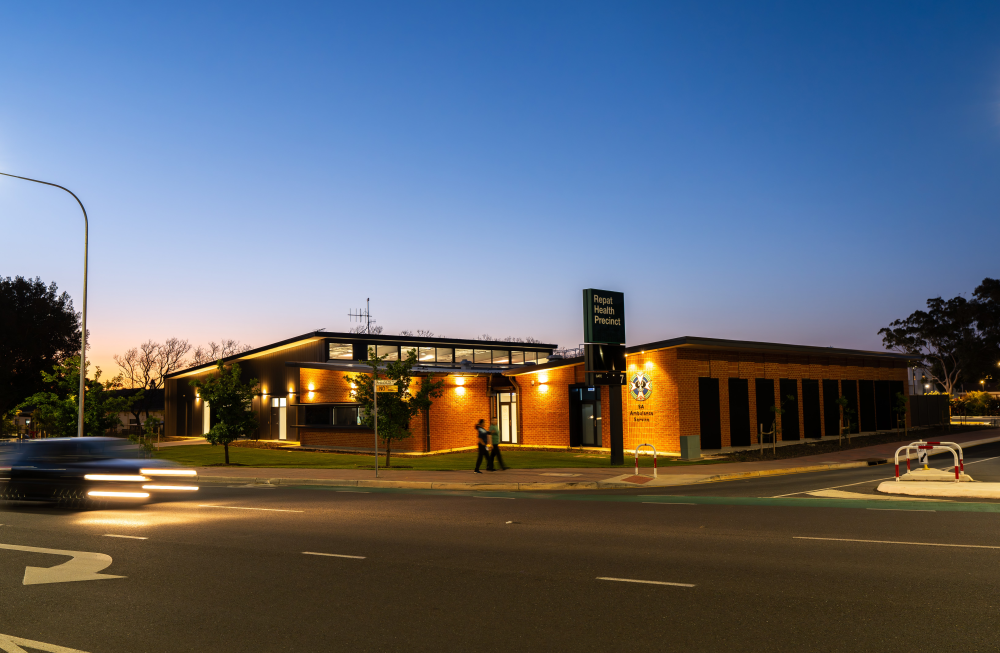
[(83, 339)]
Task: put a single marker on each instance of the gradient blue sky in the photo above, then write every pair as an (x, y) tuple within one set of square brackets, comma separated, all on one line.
[(790, 172)]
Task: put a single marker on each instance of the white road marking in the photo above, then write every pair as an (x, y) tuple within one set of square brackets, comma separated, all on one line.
[(13, 644), (205, 505), (900, 510), (83, 566), (332, 555), (128, 537), (479, 497), (647, 582), (780, 496), (355, 491), (669, 503), (840, 539)]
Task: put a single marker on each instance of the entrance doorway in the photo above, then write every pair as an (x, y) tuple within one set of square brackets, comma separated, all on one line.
[(279, 410), (584, 416), (506, 412)]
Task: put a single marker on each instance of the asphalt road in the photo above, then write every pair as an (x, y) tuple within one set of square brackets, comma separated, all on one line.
[(228, 571)]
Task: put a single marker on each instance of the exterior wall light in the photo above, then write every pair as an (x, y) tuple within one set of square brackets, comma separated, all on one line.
[(543, 378), (311, 387), (459, 381), (460, 390)]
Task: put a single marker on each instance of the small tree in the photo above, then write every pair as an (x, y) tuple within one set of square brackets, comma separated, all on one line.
[(846, 425), (900, 411), (230, 401), (777, 410), (147, 437), (56, 410), (395, 409)]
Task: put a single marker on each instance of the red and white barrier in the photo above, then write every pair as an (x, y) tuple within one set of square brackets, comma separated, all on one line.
[(920, 445), (637, 458)]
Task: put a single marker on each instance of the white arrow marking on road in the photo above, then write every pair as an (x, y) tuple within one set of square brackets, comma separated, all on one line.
[(83, 566), (13, 644)]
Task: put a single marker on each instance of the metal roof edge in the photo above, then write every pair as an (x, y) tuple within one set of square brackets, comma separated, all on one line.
[(720, 343)]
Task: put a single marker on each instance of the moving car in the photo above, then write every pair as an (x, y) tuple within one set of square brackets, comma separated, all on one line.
[(81, 471)]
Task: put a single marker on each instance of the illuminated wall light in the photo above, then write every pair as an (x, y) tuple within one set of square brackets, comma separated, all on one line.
[(459, 381), (460, 390), (311, 387), (543, 388), (543, 378)]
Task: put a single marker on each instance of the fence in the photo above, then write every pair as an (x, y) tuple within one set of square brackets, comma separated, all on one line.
[(929, 410)]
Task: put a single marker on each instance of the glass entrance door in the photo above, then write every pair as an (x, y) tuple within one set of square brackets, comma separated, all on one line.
[(588, 424), (507, 416)]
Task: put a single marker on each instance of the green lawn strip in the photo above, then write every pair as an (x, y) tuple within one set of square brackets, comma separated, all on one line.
[(207, 455)]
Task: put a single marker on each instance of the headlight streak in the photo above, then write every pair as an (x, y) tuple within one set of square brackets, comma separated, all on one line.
[(168, 472), (115, 477), (188, 488), (119, 495)]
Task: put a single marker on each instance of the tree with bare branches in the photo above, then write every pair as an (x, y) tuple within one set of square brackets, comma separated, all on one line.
[(144, 367), (217, 351)]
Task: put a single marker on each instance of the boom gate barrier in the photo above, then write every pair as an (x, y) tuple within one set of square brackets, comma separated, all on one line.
[(637, 458), (920, 445)]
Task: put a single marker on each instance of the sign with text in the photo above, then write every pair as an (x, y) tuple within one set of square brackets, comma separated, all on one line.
[(386, 388), (603, 316)]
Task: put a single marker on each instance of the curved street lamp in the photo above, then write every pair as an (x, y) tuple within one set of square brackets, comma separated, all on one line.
[(83, 340)]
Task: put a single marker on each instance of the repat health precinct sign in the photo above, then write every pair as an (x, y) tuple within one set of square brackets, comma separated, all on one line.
[(603, 316)]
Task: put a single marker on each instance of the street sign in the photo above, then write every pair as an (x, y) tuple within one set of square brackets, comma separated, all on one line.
[(384, 382), (603, 316), (386, 388)]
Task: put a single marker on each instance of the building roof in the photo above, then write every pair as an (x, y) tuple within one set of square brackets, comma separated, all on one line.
[(747, 345), (366, 337)]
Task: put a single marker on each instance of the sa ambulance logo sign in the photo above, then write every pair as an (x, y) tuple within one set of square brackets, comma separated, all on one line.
[(640, 386)]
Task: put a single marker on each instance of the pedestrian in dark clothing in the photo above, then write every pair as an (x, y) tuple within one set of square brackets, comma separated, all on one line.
[(495, 457), (482, 437)]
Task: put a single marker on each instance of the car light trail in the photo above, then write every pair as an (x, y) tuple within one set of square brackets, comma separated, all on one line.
[(168, 472), (123, 495), (186, 488), (114, 477)]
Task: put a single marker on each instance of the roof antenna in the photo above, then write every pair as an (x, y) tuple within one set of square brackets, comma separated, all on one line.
[(363, 316)]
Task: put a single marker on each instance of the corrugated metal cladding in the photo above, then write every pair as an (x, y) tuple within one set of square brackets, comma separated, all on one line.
[(183, 415)]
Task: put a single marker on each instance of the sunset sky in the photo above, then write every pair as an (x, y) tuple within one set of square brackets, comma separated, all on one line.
[(788, 172)]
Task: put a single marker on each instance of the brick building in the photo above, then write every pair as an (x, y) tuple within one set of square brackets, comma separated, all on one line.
[(721, 390)]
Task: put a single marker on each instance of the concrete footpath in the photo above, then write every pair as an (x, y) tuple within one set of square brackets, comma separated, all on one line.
[(580, 478)]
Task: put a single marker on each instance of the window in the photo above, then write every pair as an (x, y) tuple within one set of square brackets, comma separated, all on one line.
[(463, 355), (483, 356), (543, 357), (278, 403), (405, 351), (502, 357), (445, 355), (426, 355), (317, 416), (517, 357), (340, 351), (529, 357), (346, 416), (391, 350)]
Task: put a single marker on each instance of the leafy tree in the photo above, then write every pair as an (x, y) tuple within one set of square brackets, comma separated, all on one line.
[(56, 411), (956, 340), (395, 409), (230, 401), (38, 329)]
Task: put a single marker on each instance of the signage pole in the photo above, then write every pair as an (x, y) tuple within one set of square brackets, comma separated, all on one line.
[(375, 404), (604, 338)]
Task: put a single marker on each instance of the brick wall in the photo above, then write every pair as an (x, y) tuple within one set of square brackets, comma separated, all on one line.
[(544, 418)]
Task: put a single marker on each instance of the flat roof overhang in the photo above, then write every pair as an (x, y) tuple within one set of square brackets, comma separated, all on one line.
[(360, 337), (764, 347), (364, 368)]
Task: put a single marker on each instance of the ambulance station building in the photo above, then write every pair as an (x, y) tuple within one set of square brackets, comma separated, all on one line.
[(720, 390)]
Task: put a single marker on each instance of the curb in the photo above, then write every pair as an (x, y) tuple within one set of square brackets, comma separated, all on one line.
[(528, 487)]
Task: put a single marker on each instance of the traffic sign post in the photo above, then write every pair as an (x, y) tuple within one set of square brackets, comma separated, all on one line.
[(380, 385)]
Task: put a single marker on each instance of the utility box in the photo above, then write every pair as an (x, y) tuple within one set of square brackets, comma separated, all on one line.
[(690, 447)]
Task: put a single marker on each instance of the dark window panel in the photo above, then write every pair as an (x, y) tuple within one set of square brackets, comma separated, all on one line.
[(811, 413), (710, 413), (739, 413), (790, 420)]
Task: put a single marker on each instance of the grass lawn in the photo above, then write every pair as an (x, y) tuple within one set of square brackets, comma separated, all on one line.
[(206, 455)]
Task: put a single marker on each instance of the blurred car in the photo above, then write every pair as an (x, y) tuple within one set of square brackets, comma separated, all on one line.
[(79, 471)]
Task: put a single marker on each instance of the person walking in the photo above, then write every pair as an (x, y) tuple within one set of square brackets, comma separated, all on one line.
[(482, 438), (495, 456)]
